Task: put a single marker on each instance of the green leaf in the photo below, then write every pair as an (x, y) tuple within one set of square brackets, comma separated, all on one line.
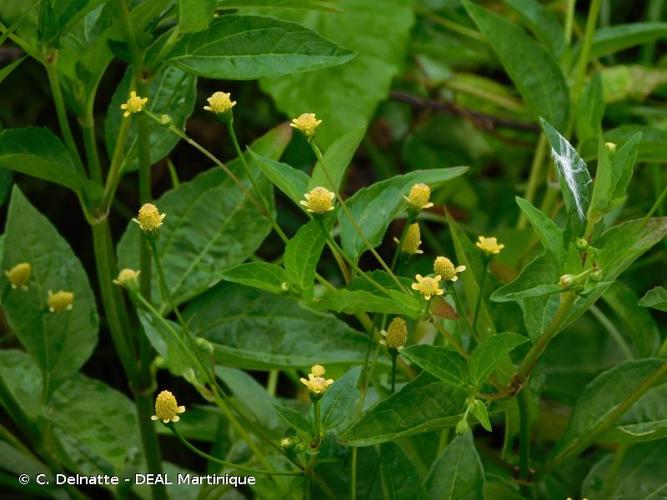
[(21, 375), (636, 323), (443, 363), (547, 230), (7, 70), (354, 90), (440, 405), (602, 188), (60, 343), (172, 92), (292, 182), (602, 396), (590, 110), (610, 39), (534, 71), (275, 4), (338, 405), (458, 472), (248, 47), (211, 225), (575, 181), (195, 15), (634, 473), (302, 253), (480, 412), (37, 152), (284, 334), (263, 275), (400, 480), (489, 353), (622, 165), (653, 145), (295, 420), (374, 207), (348, 301), (655, 298), (542, 22), (335, 161)]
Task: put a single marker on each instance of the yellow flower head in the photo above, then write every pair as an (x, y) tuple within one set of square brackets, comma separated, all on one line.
[(412, 240), (428, 286), (166, 408), (319, 200), (444, 267), (306, 124), (418, 196), (220, 102), (149, 218), (489, 246), (396, 335), (134, 104), (127, 278), (19, 275), (60, 301), (316, 383)]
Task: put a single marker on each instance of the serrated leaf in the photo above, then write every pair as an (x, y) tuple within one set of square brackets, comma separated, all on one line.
[(238, 47), (457, 473), (489, 353), (534, 71), (400, 480), (655, 298), (440, 405), (374, 207), (211, 225), (441, 362), (284, 334), (60, 343), (263, 275)]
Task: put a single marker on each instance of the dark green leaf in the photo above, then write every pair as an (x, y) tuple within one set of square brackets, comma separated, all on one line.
[(194, 15), (622, 165), (335, 161), (349, 301), (653, 145), (339, 403), (258, 330), (457, 473), (7, 70), (295, 420), (263, 275), (655, 298), (590, 110), (248, 47), (610, 39), (302, 253), (575, 181), (172, 92), (534, 71), (547, 230), (400, 480), (275, 4), (374, 207), (60, 343), (489, 353), (440, 405), (439, 361), (292, 182), (211, 225), (542, 22)]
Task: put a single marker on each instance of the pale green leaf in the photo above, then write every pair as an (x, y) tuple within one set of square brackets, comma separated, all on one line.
[(263, 275), (610, 39), (655, 298), (457, 473), (443, 363)]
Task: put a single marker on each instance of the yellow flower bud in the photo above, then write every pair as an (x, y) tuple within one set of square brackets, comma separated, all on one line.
[(19, 275), (412, 240), (127, 278), (428, 286), (307, 123), (445, 268), (166, 408), (134, 104), (149, 218), (419, 196), (611, 147), (220, 102), (567, 280), (319, 200), (396, 335), (489, 246), (60, 301), (316, 383)]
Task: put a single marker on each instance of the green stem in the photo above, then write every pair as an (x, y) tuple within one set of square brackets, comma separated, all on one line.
[(612, 330), (116, 166), (450, 338), (353, 474), (272, 382), (585, 53), (451, 25), (524, 435), (569, 20), (90, 144), (224, 463), (61, 111), (581, 443), (656, 206), (393, 372), (534, 177), (461, 309), (316, 409), (479, 297)]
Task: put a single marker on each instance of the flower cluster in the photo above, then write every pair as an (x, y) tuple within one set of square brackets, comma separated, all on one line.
[(489, 246), (419, 195), (316, 383), (166, 408), (134, 104), (19, 275), (412, 240), (149, 218), (444, 268), (396, 335), (220, 102), (307, 124), (428, 286), (319, 200), (60, 301)]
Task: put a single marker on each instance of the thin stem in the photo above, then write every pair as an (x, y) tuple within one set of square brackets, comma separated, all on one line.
[(656, 205), (224, 463), (451, 25), (461, 309), (316, 410), (116, 166), (534, 177), (569, 20), (450, 338), (524, 435), (272, 382), (90, 144), (353, 474), (479, 297), (613, 331), (393, 372), (585, 53)]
